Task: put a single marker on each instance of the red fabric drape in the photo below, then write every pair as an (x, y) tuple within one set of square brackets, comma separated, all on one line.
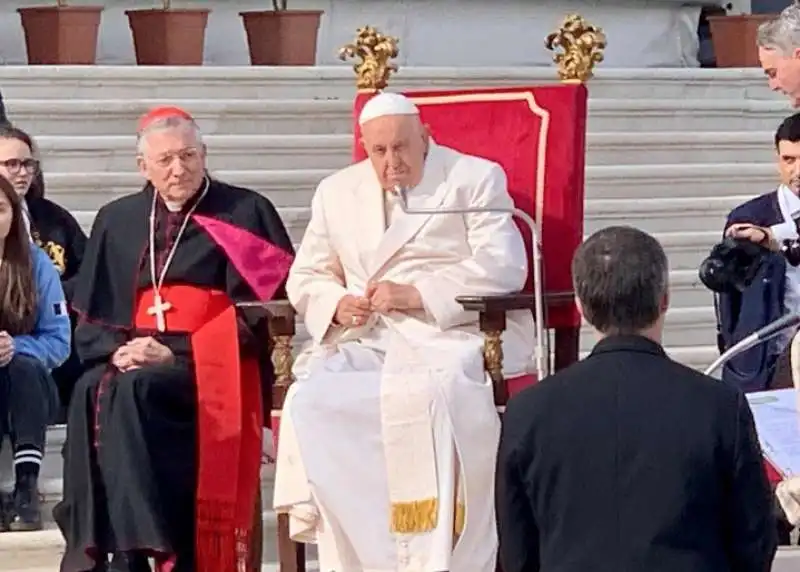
[(538, 135), (229, 421)]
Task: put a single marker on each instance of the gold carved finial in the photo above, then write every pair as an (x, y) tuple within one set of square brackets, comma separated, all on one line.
[(582, 48), (375, 52)]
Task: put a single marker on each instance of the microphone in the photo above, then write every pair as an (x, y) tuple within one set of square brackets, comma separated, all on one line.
[(542, 340), (758, 337)]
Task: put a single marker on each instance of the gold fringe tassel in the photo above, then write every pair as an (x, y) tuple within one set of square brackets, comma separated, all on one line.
[(461, 513), (414, 516)]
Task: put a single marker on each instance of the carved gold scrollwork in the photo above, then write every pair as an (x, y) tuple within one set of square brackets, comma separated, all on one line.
[(282, 360), (375, 52), (493, 364), (582, 48)]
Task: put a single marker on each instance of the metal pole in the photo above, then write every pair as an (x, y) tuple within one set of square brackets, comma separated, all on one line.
[(542, 345)]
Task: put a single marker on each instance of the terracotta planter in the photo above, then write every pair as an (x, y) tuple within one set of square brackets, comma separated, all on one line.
[(284, 38), (734, 39), (61, 35), (174, 37)]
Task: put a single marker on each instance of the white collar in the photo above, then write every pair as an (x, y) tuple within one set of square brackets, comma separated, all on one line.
[(789, 203)]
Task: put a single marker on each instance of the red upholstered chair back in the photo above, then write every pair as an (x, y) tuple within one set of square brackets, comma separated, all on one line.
[(538, 135)]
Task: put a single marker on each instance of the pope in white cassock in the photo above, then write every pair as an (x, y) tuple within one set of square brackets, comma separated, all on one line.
[(388, 438)]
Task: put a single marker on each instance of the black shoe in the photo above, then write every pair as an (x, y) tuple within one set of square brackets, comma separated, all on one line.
[(25, 514), (124, 562)]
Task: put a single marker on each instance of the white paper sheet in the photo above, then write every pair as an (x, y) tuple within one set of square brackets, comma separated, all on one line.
[(777, 417)]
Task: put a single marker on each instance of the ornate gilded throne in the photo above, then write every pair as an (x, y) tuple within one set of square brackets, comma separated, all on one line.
[(538, 135)]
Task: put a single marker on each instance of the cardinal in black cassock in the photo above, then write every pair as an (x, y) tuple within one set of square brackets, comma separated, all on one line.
[(163, 460)]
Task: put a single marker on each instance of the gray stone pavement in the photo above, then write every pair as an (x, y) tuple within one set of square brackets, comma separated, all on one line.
[(41, 551)]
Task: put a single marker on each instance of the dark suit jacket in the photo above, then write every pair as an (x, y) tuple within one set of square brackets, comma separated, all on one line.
[(630, 462), (739, 314)]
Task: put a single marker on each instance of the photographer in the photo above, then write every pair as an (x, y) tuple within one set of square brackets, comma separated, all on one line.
[(759, 281), (773, 287)]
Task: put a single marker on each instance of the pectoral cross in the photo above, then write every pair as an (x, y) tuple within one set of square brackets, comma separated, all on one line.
[(157, 309)]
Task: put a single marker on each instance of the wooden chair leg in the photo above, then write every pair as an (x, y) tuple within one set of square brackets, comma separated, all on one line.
[(291, 555), (567, 347)]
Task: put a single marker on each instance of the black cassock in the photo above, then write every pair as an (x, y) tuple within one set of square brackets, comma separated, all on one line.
[(130, 459)]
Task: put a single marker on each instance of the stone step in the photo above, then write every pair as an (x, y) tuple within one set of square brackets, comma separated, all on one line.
[(679, 147), (686, 290), (685, 328), (86, 154), (328, 115), (687, 115), (686, 250), (256, 82), (661, 214)]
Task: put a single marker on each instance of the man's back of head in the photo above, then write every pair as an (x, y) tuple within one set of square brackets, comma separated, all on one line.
[(620, 275)]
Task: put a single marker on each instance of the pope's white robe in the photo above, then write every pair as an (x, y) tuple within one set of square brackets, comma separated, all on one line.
[(390, 430)]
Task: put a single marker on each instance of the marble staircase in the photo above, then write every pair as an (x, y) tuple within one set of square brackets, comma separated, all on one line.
[(669, 150)]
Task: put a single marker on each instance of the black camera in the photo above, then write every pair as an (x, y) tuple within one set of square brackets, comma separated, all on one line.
[(733, 264), (791, 251)]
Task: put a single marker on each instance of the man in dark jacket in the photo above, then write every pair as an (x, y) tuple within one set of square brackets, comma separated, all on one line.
[(627, 460), (775, 290)]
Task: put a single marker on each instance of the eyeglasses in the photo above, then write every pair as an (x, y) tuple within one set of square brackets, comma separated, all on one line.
[(13, 166)]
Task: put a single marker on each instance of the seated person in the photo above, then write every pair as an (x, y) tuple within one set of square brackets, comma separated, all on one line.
[(34, 339), (52, 227), (775, 290), (164, 430), (388, 436)]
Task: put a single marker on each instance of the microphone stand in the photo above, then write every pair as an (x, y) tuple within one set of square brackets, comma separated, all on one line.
[(758, 337), (542, 343)]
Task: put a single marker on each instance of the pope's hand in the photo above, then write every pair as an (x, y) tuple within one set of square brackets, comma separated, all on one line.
[(387, 296), (757, 234), (352, 311)]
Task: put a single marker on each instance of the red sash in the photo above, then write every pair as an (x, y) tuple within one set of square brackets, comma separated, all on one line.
[(229, 421)]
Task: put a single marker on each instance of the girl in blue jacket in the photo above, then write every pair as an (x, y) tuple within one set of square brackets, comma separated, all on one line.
[(34, 339)]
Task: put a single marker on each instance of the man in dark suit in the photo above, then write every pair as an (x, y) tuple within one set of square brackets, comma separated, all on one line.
[(628, 461), (775, 290)]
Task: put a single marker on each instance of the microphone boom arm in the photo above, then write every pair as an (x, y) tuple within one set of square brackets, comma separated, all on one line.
[(542, 345)]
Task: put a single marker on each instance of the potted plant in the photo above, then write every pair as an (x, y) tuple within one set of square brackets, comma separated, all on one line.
[(733, 37), (61, 34), (282, 37), (169, 36)]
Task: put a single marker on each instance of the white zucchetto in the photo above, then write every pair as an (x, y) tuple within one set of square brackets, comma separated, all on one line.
[(387, 104)]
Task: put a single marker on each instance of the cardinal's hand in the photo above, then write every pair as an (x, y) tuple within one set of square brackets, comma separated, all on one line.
[(140, 352)]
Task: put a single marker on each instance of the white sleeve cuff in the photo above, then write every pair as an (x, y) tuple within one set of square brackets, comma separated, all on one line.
[(443, 308), (784, 231)]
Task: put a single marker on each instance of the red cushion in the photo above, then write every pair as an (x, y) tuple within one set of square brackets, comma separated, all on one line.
[(517, 384)]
